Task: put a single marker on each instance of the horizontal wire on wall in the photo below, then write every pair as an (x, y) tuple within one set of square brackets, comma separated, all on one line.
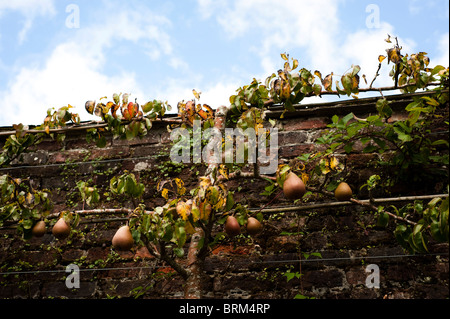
[(287, 261)]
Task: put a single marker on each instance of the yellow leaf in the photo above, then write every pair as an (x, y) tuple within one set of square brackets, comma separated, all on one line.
[(284, 56), (195, 211), (324, 166), (327, 82), (179, 182), (318, 74), (394, 55), (183, 210), (205, 182), (30, 198), (165, 193), (196, 94), (205, 210), (294, 64), (334, 163), (381, 58), (305, 178), (287, 67), (47, 129), (189, 228), (223, 170)]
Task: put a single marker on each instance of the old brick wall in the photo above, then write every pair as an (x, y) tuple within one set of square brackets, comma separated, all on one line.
[(243, 267)]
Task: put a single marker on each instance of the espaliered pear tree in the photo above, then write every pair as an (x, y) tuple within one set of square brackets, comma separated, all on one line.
[(181, 231)]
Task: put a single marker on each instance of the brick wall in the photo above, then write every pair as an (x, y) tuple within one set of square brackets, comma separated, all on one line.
[(243, 267)]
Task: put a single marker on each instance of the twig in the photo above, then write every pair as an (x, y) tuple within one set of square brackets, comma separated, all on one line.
[(369, 89), (365, 203), (376, 75)]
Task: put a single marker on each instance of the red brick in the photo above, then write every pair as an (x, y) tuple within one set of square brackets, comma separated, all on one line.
[(295, 150), (306, 124), (110, 152), (65, 156), (143, 252)]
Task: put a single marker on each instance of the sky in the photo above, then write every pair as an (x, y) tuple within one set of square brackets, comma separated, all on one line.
[(59, 52)]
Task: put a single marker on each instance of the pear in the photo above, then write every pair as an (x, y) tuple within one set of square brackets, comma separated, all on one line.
[(39, 229), (232, 227), (123, 240), (293, 187), (61, 229), (343, 192), (254, 227)]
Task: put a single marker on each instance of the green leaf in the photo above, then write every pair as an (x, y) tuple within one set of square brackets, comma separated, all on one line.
[(347, 118), (436, 232), (347, 83), (179, 252), (230, 201), (402, 135), (348, 147), (355, 70), (383, 219)]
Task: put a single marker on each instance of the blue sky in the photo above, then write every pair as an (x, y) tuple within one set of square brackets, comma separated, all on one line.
[(58, 52)]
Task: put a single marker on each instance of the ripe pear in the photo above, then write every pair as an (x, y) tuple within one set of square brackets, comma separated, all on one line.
[(232, 227), (39, 229), (293, 187), (254, 227), (343, 192), (123, 240), (61, 229)]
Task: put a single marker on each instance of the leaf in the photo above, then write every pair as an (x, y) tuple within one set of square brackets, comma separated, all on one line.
[(364, 78), (289, 276), (195, 212), (394, 55), (381, 58), (347, 83), (178, 251), (383, 219), (327, 82), (230, 201), (355, 83), (205, 211), (402, 135), (101, 142), (196, 94), (285, 57), (165, 193), (355, 70), (318, 74)]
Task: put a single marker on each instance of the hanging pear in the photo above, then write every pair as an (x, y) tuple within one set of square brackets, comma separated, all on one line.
[(123, 240), (61, 229), (343, 192), (293, 187), (232, 227), (39, 229)]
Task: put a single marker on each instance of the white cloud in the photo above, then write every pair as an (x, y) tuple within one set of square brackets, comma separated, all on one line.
[(363, 48), (313, 29), (30, 9), (443, 48), (75, 70), (279, 25)]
